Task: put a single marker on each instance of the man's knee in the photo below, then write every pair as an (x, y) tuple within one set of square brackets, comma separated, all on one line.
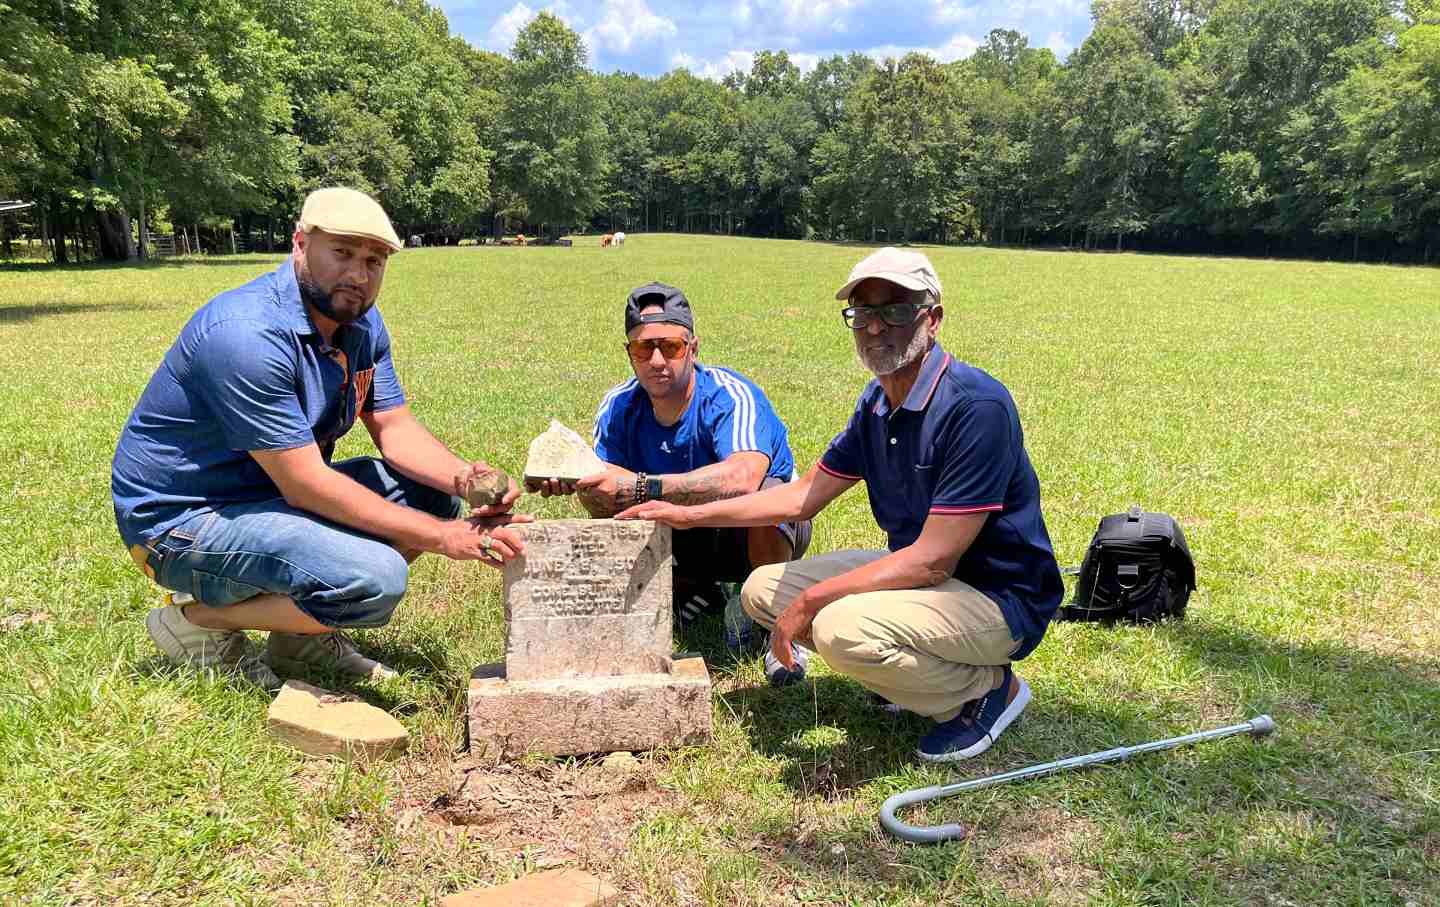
[(767, 545), (757, 596), (368, 596)]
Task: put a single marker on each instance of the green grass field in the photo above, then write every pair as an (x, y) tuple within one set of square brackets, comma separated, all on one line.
[(1287, 413)]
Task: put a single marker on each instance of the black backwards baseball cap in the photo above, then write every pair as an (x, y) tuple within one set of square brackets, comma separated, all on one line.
[(675, 308)]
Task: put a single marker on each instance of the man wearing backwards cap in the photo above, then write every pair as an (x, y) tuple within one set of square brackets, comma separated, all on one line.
[(689, 433), (969, 583), (223, 483)]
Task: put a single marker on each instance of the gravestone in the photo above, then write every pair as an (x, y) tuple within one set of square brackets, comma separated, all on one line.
[(588, 666)]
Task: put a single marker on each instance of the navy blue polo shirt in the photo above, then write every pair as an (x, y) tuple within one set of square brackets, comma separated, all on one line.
[(727, 413), (955, 446), (250, 371)]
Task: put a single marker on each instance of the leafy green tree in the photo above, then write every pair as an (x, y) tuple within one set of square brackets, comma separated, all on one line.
[(1119, 122), (552, 147), (897, 160)]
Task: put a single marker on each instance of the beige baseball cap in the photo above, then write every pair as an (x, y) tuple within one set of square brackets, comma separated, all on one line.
[(911, 270), (348, 212)]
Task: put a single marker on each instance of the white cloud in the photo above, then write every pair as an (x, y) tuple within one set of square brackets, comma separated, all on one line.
[(816, 15), (734, 61), (501, 36), (1057, 42), (951, 12), (805, 62), (957, 48), (626, 24)]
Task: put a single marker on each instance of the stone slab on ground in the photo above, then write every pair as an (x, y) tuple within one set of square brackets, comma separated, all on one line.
[(557, 888), (560, 453), (575, 715), (588, 598), (323, 723)]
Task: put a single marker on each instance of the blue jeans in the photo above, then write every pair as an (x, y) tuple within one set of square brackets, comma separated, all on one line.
[(340, 576)]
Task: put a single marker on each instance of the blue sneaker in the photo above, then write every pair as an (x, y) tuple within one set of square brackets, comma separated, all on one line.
[(982, 720), (781, 676)]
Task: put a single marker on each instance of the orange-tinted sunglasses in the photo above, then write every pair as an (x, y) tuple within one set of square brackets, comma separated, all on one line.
[(669, 347)]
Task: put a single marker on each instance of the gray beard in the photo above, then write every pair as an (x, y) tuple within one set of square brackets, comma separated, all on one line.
[(881, 365)]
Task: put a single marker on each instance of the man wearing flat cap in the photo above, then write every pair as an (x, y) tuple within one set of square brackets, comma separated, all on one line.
[(689, 433), (223, 484), (969, 583)]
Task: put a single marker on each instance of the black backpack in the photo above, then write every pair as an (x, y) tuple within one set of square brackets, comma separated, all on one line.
[(1138, 568)]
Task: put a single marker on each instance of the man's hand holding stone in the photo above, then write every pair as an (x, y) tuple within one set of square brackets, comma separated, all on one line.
[(550, 488), (479, 482), (612, 489)]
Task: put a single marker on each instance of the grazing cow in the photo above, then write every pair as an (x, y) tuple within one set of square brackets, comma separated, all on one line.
[(606, 240), (519, 239), (620, 238)]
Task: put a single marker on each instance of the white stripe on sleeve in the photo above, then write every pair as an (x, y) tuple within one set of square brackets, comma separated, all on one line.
[(606, 403)]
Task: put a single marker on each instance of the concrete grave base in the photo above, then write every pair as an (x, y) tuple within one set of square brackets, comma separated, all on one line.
[(573, 715)]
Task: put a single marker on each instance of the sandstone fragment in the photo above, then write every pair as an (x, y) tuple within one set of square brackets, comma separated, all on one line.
[(560, 453), (557, 888), (321, 723), (482, 487)]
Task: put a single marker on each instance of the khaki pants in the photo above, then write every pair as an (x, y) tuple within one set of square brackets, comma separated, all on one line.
[(926, 650)]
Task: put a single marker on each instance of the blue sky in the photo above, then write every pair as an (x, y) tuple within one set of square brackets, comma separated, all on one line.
[(712, 38)]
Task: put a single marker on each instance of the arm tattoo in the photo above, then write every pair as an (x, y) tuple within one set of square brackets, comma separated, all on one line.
[(690, 489)]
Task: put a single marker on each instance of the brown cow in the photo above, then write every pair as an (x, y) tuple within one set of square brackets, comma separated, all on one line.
[(606, 240)]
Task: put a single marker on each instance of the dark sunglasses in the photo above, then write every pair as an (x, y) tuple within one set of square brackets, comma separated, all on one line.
[(669, 347), (895, 314)]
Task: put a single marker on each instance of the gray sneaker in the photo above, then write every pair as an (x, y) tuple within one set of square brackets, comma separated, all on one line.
[(189, 645), (294, 653)]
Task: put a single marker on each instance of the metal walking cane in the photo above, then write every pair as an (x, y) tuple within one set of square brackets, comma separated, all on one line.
[(918, 834)]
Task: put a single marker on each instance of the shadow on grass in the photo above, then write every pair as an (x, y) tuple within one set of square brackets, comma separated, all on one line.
[(16, 314)]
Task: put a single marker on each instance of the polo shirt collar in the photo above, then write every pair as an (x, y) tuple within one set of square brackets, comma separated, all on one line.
[(933, 366)]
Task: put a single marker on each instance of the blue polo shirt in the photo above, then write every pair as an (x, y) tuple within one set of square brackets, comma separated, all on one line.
[(250, 371), (955, 446), (727, 413)]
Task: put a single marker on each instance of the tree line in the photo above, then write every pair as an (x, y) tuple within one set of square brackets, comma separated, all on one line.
[(1307, 127)]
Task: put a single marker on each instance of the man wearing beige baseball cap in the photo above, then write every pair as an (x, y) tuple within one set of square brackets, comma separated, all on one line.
[(223, 484), (969, 583)]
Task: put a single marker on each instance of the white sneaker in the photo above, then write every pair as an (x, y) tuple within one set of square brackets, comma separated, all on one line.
[(781, 676), (190, 645), (334, 651)]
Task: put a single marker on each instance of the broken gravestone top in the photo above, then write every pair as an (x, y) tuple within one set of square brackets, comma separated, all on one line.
[(323, 723), (588, 598), (560, 453)]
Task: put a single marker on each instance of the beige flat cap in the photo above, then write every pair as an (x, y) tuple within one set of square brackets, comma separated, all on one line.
[(911, 270), (348, 212)]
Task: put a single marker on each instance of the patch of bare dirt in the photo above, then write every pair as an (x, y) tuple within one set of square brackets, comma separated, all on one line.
[(1036, 854), (572, 811)]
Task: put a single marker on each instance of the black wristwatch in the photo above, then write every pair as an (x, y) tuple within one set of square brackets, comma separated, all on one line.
[(652, 488)]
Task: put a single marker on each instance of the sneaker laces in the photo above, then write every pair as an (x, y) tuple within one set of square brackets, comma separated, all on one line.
[(338, 643)]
